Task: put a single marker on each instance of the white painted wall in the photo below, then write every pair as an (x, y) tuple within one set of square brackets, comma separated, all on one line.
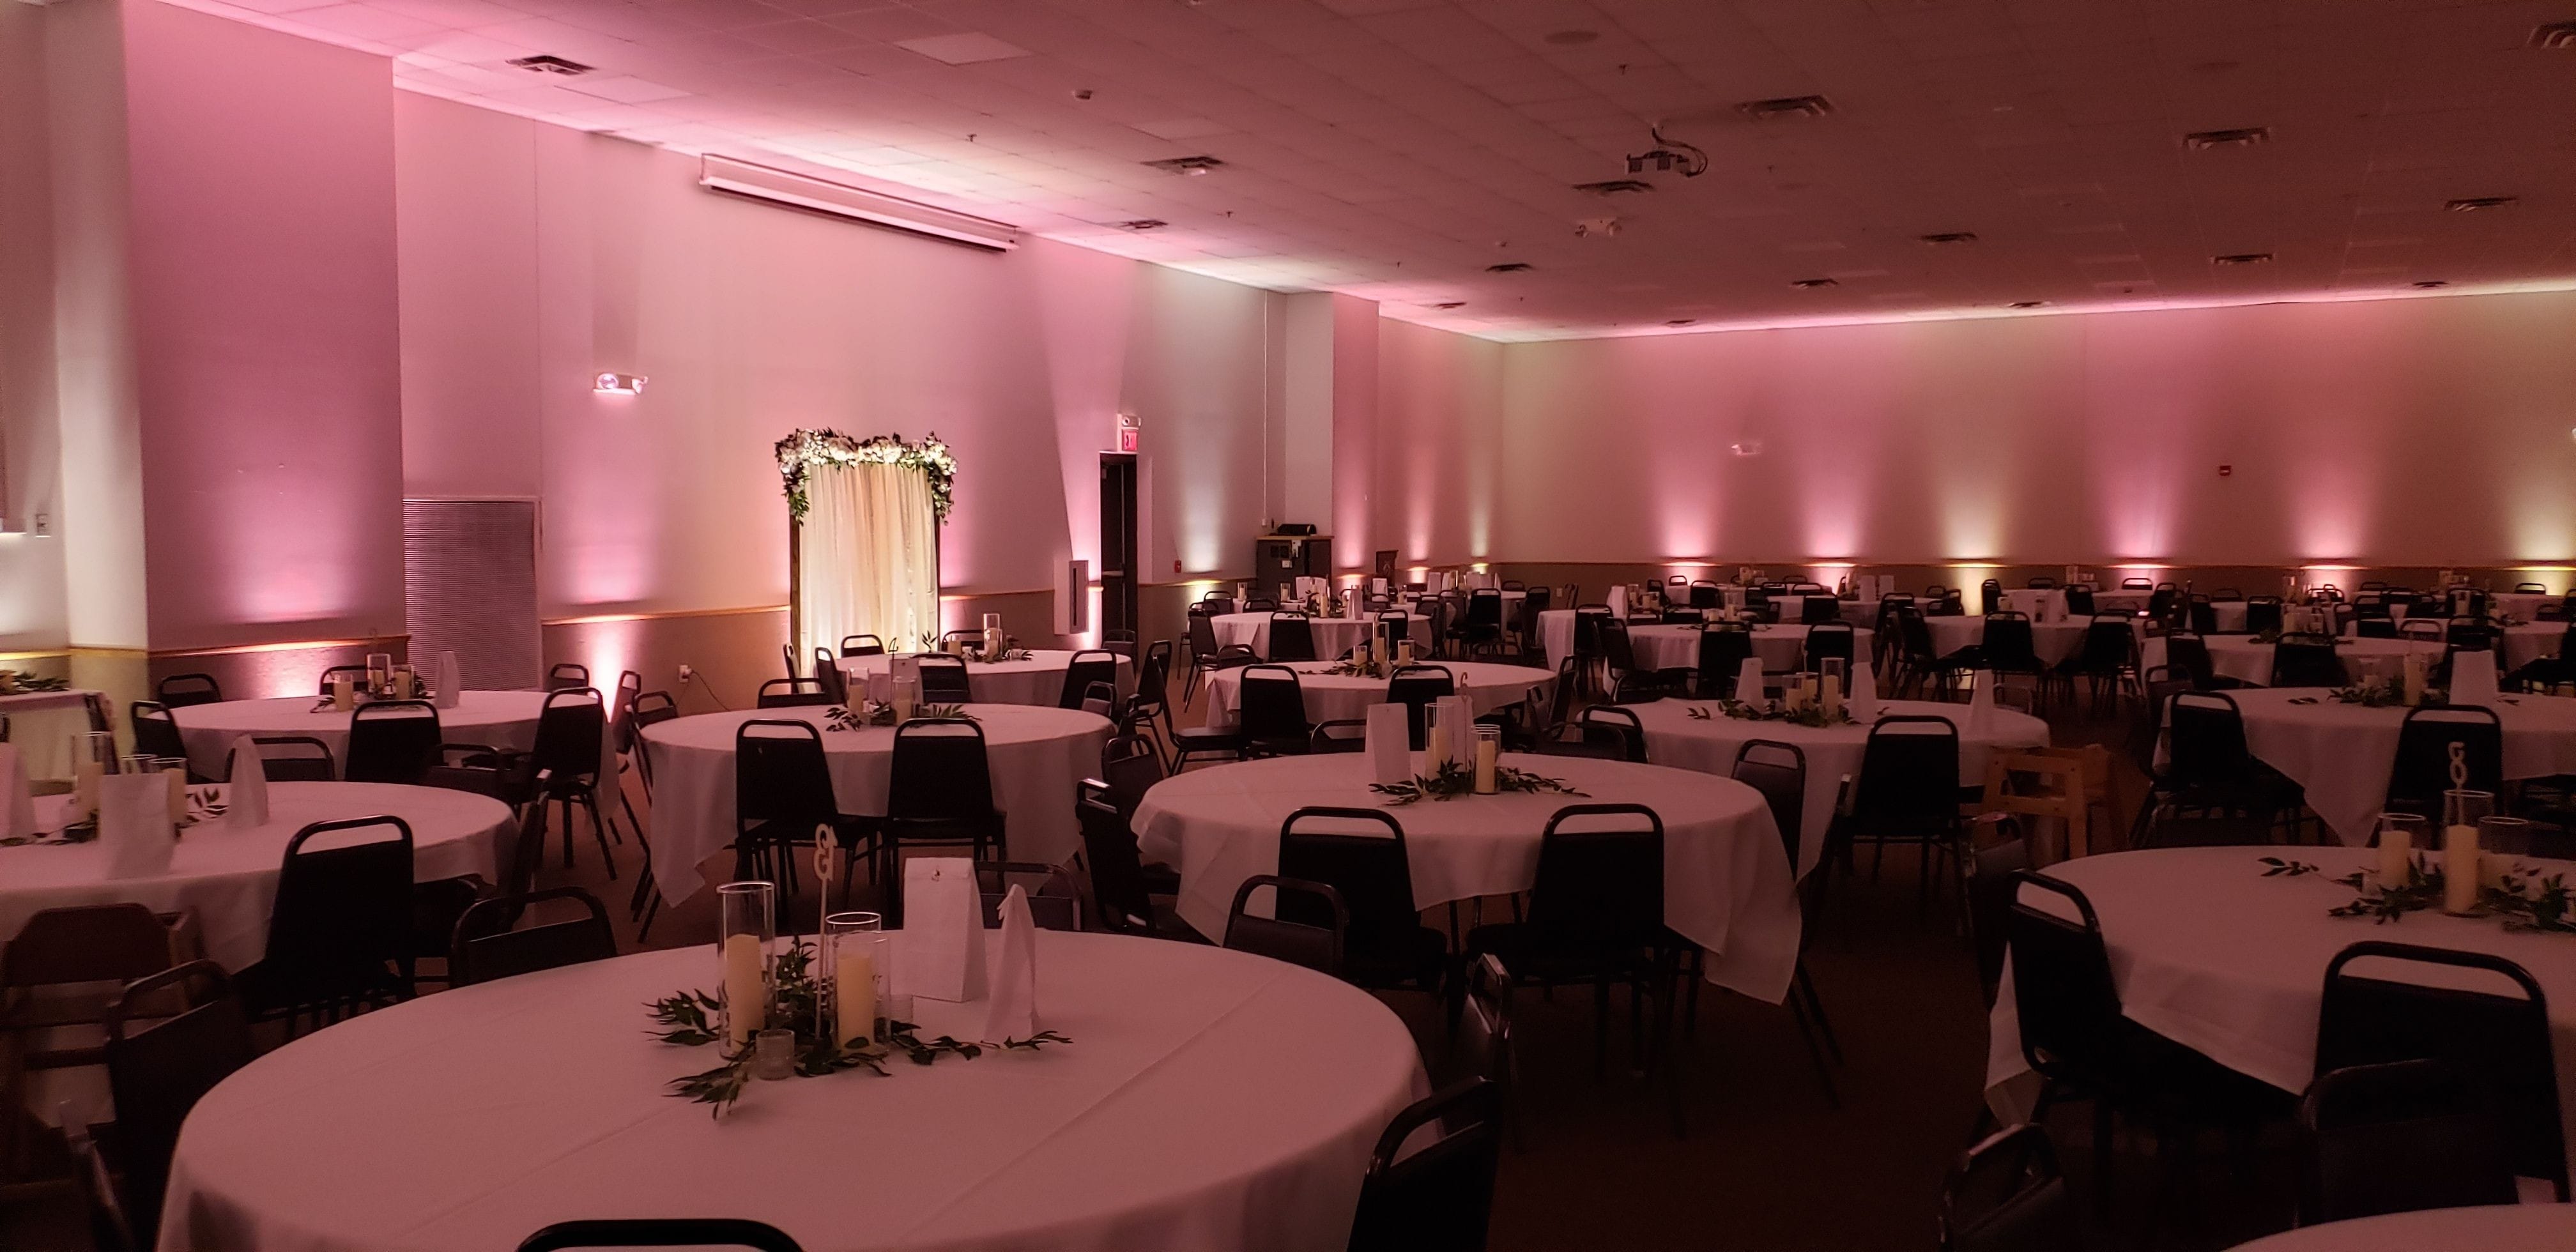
[(32, 616)]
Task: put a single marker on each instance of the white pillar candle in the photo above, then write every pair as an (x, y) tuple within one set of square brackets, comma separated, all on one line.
[(2459, 868), (85, 776), (2414, 668), (1485, 766), (2396, 856), (1833, 697), (854, 992), (746, 1000), (343, 693), (1435, 749), (178, 781)]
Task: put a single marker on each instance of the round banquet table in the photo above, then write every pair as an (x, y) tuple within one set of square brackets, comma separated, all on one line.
[(2246, 659), (227, 875), (1331, 697), (2532, 641), (2489, 1228), (1780, 645), (493, 719), (1210, 1099), (2122, 600), (1675, 738), (1036, 754), (2209, 953), (2342, 754), (1333, 635), (2053, 642), (1726, 877), (1038, 680)]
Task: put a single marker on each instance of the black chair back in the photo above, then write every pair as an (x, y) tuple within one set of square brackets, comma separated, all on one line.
[(2008, 646), (2079, 601), (794, 693), (1415, 687), (392, 741), (1440, 1197), (341, 924), (1055, 903), (2205, 741), (1292, 637), (1315, 944), (2305, 661), (1779, 771), (484, 947), (2005, 1195), (1132, 767), (1828, 640), (356, 674), (944, 680), (1990, 597), (1084, 669), (1347, 734), (572, 730), (1397, 624), (178, 691), (1722, 653), (1272, 708), (1371, 873), (158, 1071), (298, 758), (660, 1232), (566, 675), (2109, 647), (2395, 1138), (156, 733), (1600, 882), (827, 672), (939, 772), (862, 645), (2423, 768), (2201, 615), (1607, 727), (781, 776), (1909, 775), (2497, 1040), (2062, 988)]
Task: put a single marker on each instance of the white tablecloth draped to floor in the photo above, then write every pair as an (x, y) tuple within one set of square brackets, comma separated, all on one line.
[(2053, 642), (2342, 754), (227, 875), (1780, 645), (1333, 635), (42, 723), (2532, 641), (1726, 877), (1209, 1100), (493, 719), (2247, 659), (1036, 756), (2208, 952), (2489, 1228), (1038, 680), (1675, 738), (1488, 687)]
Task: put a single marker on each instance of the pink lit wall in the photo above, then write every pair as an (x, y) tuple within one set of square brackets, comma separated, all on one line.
[(32, 610), (262, 279), (2421, 432)]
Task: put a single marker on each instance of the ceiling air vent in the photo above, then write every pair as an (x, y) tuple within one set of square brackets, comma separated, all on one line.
[(1450, 304), (2242, 258), (1951, 236), (1143, 223), (1814, 284), (2027, 304), (2557, 35), (2475, 203), (548, 64), (2242, 137), (1615, 186), (2430, 283), (1785, 107), (1682, 321), (1508, 267), (1192, 165)]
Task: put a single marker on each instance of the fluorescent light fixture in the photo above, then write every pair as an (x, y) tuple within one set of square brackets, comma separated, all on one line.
[(759, 182), (618, 384)]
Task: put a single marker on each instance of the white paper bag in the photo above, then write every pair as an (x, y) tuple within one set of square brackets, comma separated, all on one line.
[(246, 799), (880, 686), (1862, 702), (17, 800), (943, 930), (451, 680), (134, 825), (2473, 678), (1377, 586), (1390, 746), (1981, 705), (1014, 1014), (1618, 600), (1748, 680)]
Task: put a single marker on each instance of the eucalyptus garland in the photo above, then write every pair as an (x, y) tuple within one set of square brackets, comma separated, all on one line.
[(21, 682), (801, 450), (2523, 899), (1452, 780)]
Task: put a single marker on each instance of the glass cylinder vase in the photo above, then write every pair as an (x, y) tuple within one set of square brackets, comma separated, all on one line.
[(747, 926), (2461, 813), (853, 975)]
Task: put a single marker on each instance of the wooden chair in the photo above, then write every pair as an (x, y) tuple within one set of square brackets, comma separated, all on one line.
[(2063, 783)]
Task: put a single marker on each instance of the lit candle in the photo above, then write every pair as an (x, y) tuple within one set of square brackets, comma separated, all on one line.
[(746, 999), (2414, 693), (1435, 749), (2396, 855), (2459, 868), (1486, 749), (854, 992), (343, 693), (178, 780), (1833, 696), (85, 776)]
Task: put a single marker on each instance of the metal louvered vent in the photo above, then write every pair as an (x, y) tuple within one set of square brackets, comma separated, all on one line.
[(471, 566)]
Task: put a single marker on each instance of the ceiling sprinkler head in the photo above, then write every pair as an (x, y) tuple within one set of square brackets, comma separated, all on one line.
[(1596, 228)]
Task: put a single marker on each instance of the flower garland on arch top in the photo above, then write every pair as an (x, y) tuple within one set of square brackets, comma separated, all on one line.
[(803, 449)]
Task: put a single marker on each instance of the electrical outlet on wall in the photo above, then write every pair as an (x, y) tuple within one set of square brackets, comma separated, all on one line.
[(686, 673)]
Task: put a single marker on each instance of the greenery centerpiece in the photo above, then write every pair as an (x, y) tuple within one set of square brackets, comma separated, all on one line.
[(1452, 780), (19, 682), (2385, 693), (1813, 715), (871, 713), (1354, 667), (2523, 898), (804, 449)]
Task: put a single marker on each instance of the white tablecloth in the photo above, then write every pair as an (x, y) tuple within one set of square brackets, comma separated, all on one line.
[(1038, 680), (1675, 738), (2209, 953), (1726, 878), (2053, 642), (2532, 641), (1488, 687), (2493, 1228), (2343, 753), (42, 723), (227, 875), (1036, 756), (1781, 645), (1209, 1100), (2115, 600), (494, 719), (1333, 635), (2247, 659)]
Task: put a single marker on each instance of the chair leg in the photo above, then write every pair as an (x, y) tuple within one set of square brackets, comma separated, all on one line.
[(567, 829), (2102, 1188), (598, 829), (1805, 988), (1815, 1055)]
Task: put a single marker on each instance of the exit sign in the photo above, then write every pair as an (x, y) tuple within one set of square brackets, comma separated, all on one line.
[(1131, 429)]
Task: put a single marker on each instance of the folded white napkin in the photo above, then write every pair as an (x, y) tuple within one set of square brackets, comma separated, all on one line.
[(1390, 748), (2473, 678), (18, 801), (1981, 705), (1748, 680), (134, 824), (1863, 699), (451, 680), (1014, 1013), (943, 930), (246, 799)]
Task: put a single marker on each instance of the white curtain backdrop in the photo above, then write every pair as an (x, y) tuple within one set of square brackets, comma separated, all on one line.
[(868, 556)]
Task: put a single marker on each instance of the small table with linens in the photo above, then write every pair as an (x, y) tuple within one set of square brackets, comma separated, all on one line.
[(2342, 754), (1488, 688), (1333, 635), (506, 720), (2487, 1228), (1781, 646), (1037, 680)]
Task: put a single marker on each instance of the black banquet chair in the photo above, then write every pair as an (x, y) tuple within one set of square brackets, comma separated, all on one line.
[(339, 934), (939, 793), (1386, 945), (1315, 944), (159, 1065), (178, 691), (2005, 1195), (2397, 1137), (1440, 1196), (392, 741), (660, 1232), (486, 947)]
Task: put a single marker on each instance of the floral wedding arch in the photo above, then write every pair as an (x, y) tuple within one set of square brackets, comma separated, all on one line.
[(863, 519)]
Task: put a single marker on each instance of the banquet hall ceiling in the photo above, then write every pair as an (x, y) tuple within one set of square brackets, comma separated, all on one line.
[(1397, 149)]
